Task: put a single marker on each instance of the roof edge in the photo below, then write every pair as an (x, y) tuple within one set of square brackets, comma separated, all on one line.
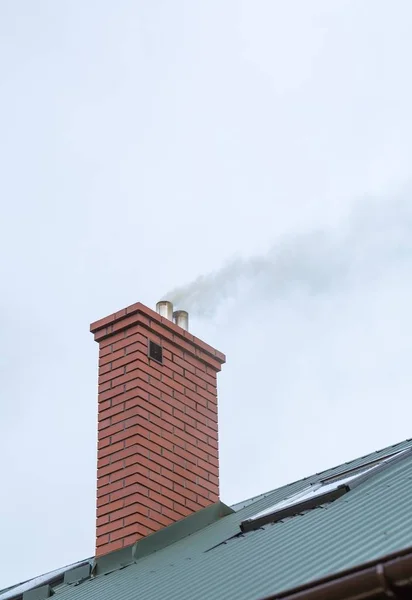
[(387, 575)]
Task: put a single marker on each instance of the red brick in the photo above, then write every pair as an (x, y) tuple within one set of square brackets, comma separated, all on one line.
[(137, 366), (195, 433), (105, 368), (111, 430), (195, 380), (133, 509), (194, 361), (159, 385), (106, 548), (203, 483), (181, 401), (183, 364), (104, 423), (103, 352), (153, 525), (167, 354), (102, 540), (123, 343), (111, 468), (169, 350), (130, 540), (208, 431), (166, 422), (101, 444), (208, 360), (209, 379), (196, 451), (169, 403), (126, 323), (103, 387), (213, 479), (192, 506), (138, 440), (130, 432), (205, 465), (160, 406), (143, 461), (175, 385), (184, 492), (189, 474), (207, 448), (203, 502), (110, 507), (110, 411), (176, 496), (131, 470), (177, 477), (184, 454), (178, 512), (111, 375), (143, 385), (110, 449), (212, 415), (210, 396), (123, 416), (161, 499), (182, 416), (103, 480), (185, 382), (169, 367), (162, 331), (139, 453), (102, 520), (112, 338), (161, 480), (112, 526), (130, 357), (96, 325), (108, 489), (195, 398), (142, 329), (213, 442), (123, 532), (111, 393), (104, 405), (159, 518), (110, 357), (168, 440)]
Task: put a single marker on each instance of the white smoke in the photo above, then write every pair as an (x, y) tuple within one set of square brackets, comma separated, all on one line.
[(377, 237)]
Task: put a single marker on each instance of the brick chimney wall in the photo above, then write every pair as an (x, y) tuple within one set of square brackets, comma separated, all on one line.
[(158, 435)]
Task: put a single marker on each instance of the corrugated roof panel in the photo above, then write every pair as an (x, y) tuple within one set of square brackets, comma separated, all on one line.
[(218, 562), (368, 522)]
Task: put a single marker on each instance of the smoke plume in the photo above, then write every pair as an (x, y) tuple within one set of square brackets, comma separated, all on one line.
[(375, 238)]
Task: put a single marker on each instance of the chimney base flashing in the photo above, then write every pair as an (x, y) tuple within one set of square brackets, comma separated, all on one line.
[(160, 539)]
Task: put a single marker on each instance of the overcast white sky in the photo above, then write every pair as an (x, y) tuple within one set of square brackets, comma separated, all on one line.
[(145, 143)]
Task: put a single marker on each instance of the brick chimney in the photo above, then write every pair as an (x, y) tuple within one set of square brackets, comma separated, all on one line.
[(158, 436)]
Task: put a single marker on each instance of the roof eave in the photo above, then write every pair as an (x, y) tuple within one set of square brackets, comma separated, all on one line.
[(388, 576)]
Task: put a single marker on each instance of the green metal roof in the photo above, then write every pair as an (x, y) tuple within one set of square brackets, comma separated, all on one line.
[(218, 562)]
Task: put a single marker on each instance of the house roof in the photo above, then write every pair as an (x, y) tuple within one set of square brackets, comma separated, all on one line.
[(218, 561)]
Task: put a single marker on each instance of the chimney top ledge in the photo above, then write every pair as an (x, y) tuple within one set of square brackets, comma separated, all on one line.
[(149, 315)]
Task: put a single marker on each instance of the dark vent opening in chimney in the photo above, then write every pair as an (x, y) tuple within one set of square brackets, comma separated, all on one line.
[(155, 352)]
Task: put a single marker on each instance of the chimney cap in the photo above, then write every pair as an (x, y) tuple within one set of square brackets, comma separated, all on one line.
[(181, 318), (165, 309)]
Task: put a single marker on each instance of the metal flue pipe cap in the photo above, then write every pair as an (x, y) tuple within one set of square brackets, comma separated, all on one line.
[(181, 318), (165, 309)]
